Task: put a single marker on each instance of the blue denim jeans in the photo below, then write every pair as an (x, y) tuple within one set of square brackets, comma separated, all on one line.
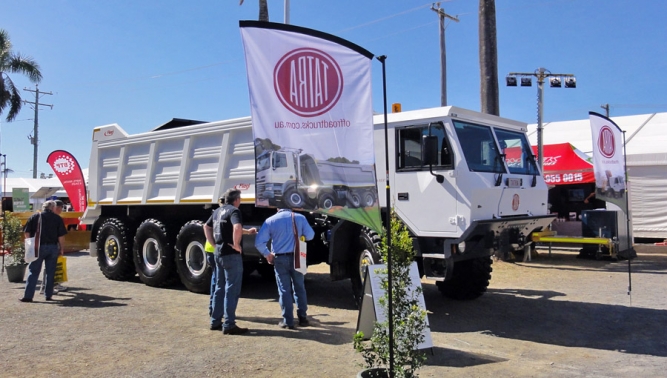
[(290, 281), (210, 259), (227, 289), (49, 255)]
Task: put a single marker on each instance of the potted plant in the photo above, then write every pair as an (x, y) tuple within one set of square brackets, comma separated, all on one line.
[(409, 319), (12, 244)]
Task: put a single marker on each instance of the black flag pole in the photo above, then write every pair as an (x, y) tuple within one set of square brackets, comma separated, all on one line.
[(390, 316), (627, 210)]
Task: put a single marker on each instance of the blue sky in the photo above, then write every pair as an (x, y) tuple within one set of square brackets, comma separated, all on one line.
[(141, 63)]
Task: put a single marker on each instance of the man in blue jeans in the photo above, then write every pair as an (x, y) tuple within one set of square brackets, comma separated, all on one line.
[(224, 230), (280, 229), (51, 244)]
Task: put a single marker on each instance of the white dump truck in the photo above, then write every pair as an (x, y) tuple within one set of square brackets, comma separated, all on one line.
[(287, 175), (450, 184)]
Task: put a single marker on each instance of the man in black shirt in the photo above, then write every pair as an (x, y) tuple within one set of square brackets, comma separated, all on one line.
[(224, 230), (51, 244)]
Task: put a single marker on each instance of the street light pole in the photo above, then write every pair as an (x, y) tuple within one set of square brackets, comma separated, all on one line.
[(556, 82)]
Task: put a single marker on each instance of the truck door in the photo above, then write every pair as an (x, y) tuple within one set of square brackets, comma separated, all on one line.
[(426, 206)]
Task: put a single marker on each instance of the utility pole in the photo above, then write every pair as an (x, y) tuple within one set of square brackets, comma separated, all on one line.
[(35, 140), (606, 109), (443, 54)]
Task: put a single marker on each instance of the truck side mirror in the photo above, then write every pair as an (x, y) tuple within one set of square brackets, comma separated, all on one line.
[(430, 149), (430, 155)]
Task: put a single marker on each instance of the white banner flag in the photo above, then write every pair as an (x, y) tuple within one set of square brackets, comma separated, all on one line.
[(608, 160), (310, 97)]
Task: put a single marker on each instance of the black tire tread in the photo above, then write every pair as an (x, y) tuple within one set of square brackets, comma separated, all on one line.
[(125, 268), (470, 279), (169, 275)]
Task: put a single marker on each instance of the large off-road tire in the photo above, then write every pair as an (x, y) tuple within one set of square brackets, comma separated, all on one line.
[(469, 280), (326, 201), (154, 255), (114, 250), (191, 264), (293, 198), (366, 254)]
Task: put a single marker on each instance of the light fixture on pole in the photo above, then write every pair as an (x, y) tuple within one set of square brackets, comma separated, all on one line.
[(555, 81)]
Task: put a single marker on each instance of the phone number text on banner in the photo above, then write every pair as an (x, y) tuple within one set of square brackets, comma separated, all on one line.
[(564, 178)]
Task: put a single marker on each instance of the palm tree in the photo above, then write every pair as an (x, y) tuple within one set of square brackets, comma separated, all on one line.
[(263, 10), (11, 62), (488, 57)]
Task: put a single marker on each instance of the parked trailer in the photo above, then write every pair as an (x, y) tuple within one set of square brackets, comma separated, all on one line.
[(450, 184)]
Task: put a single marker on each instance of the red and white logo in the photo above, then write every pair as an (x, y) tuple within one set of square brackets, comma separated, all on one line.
[(515, 202), (242, 186), (308, 82), (108, 132), (606, 142), (63, 165)]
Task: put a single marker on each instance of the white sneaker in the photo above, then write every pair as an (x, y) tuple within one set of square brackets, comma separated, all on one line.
[(58, 287)]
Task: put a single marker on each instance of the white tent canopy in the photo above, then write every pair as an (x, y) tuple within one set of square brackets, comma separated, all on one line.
[(646, 148), (38, 189)]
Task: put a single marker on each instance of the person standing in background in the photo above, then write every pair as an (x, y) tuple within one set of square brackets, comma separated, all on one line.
[(280, 229), (52, 242), (224, 229)]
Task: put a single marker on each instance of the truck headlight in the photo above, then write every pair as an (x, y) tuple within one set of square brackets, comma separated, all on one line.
[(461, 247)]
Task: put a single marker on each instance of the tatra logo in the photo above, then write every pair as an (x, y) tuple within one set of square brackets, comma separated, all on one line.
[(108, 132), (606, 142), (308, 82), (242, 186), (515, 202)]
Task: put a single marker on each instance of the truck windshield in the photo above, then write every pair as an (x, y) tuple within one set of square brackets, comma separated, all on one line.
[(518, 154), (263, 162), (479, 147)]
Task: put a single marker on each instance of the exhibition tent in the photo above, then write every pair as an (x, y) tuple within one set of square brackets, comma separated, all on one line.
[(646, 141)]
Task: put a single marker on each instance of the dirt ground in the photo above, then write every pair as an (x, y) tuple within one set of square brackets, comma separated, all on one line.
[(556, 316)]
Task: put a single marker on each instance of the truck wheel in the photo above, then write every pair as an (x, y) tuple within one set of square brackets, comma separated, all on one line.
[(353, 200), (368, 199), (266, 271), (470, 278), (153, 255), (293, 198), (191, 265), (367, 254), (114, 247), (326, 201)]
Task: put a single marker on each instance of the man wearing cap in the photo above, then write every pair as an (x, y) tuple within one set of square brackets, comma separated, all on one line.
[(224, 230), (52, 242)]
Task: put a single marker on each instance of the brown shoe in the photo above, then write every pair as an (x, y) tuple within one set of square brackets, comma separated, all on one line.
[(236, 330)]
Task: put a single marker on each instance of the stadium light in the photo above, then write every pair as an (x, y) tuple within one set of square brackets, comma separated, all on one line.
[(555, 81)]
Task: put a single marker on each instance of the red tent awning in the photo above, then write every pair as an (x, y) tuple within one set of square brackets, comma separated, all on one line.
[(563, 164)]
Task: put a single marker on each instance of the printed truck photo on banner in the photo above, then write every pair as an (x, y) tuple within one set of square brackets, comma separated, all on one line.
[(312, 116)]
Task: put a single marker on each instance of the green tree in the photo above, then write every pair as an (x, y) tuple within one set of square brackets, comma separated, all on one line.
[(13, 62), (263, 10)]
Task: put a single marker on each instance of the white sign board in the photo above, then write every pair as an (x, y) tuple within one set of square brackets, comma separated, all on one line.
[(368, 314)]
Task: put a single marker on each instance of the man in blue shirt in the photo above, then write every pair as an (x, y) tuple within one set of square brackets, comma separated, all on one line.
[(280, 230)]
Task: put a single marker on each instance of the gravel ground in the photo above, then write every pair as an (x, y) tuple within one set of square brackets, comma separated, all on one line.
[(554, 316)]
